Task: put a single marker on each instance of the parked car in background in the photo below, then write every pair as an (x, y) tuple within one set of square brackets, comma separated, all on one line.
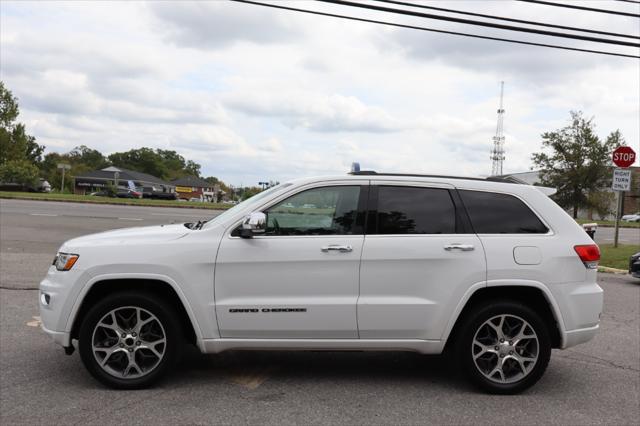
[(157, 193), (494, 274), (634, 265), (41, 186), (635, 217), (121, 193)]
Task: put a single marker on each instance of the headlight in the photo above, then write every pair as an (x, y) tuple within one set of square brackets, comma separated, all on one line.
[(65, 261)]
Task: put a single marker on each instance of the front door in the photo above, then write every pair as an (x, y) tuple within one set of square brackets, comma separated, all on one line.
[(300, 279)]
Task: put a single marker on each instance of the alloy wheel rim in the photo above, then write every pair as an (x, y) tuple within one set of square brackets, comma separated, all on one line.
[(128, 342), (505, 349)]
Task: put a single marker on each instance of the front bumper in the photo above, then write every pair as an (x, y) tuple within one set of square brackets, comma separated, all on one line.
[(634, 266), (60, 337), (56, 297)]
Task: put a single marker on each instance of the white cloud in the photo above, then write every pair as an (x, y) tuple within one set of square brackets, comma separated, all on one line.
[(214, 24), (255, 94), (313, 111)]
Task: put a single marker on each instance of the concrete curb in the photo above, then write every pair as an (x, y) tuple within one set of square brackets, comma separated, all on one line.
[(612, 270)]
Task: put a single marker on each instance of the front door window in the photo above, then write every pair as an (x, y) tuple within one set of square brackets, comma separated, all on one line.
[(320, 211)]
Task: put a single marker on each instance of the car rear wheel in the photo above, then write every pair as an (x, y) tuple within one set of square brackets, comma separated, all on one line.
[(504, 348), (130, 340)]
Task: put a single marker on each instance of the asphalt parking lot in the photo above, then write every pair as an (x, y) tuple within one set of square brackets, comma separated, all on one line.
[(594, 383)]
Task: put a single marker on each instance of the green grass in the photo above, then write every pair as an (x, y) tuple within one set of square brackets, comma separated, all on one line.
[(610, 223), (617, 257), (108, 200)]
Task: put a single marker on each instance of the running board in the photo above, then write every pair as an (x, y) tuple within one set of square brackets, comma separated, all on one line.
[(410, 345)]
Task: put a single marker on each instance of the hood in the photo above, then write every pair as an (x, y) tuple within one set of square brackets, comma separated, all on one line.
[(137, 235)]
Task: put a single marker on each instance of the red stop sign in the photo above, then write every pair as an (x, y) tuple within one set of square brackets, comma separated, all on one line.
[(624, 156)]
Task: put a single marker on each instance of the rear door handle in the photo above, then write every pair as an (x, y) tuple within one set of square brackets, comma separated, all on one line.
[(461, 247), (334, 247)]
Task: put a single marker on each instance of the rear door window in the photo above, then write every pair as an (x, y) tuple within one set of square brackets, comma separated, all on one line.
[(414, 210), (494, 213)]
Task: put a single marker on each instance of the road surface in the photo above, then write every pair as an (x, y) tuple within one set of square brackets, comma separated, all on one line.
[(594, 383)]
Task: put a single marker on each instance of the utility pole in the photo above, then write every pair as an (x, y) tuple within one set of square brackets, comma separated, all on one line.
[(497, 153)]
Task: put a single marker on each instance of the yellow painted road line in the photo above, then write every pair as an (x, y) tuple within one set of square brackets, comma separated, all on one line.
[(35, 322), (251, 379)]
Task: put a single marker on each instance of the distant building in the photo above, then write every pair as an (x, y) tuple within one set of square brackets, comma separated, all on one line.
[(630, 204), (189, 187), (98, 180)]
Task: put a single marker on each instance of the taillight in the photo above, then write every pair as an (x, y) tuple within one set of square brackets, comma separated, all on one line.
[(589, 254)]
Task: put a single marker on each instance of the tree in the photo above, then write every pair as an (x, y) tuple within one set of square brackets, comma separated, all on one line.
[(165, 164), (15, 144), (576, 162), (22, 172), (144, 160), (91, 158)]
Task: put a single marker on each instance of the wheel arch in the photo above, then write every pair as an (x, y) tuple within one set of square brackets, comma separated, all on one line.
[(529, 293), (158, 285)]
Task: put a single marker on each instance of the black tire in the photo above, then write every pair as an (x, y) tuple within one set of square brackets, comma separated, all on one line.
[(465, 348), (169, 322)]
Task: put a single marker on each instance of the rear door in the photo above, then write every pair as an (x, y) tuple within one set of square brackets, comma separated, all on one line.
[(419, 259)]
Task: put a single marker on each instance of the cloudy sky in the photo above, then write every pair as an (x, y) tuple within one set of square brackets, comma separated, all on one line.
[(254, 93)]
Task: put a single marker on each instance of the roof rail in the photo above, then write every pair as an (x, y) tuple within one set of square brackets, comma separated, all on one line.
[(374, 173)]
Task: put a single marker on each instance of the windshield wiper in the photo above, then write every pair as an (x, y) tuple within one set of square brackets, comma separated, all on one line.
[(199, 224)]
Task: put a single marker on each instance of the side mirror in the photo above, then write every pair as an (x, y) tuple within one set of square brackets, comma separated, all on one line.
[(254, 224)]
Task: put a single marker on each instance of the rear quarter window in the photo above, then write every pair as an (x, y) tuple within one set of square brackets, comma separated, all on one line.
[(494, 213)]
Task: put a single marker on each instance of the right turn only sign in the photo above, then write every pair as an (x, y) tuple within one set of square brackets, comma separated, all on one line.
[(623, 156), (621, 180)]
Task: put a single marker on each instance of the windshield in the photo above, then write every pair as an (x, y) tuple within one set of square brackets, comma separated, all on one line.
[(238, 207)]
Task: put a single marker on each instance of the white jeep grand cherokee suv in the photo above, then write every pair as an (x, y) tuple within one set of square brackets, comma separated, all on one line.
[(494, 273)]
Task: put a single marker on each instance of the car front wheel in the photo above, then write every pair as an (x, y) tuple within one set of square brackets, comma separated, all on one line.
[(504, 347), (130, 340)]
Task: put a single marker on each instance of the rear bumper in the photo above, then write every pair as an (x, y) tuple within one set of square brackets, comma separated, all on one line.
[(582, 335), (580, 305)]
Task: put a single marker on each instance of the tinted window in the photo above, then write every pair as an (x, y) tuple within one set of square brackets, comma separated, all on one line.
[(493, 213), (320, 211), (412, 210)]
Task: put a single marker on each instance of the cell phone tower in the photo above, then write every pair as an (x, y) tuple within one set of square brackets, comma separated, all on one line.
[(497, 153)]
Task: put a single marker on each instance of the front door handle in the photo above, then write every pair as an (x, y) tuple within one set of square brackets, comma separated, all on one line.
[(461, 247), (334, 247)]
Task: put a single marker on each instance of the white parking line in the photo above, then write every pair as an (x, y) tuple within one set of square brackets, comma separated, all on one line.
[(42, 214), (130, 218)]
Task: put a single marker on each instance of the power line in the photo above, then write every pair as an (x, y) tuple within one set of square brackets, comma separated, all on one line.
[(629, 1), (590, 9), (520, 21), (413, 27), (479, 23)]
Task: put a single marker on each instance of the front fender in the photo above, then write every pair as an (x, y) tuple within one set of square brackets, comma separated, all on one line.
[(197, 314)]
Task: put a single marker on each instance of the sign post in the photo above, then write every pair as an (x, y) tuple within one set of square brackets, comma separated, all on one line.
[(63, 167), (623, 157)]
